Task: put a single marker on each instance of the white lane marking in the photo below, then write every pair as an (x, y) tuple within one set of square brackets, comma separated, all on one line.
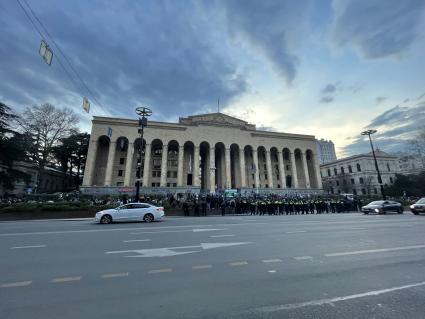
[(195, 230), (303, 258), (97, 230), (239, 263), (24, 247), (66, 279), (135, 240), (115, 275), (277, 260), (219, 236), (157, 271), (368, 251), (272, 271), (201, 267), (16, 284), (295, 232), (173, 251), (321, 302)]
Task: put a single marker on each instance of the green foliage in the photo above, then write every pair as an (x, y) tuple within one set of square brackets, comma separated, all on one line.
[(413, 185)]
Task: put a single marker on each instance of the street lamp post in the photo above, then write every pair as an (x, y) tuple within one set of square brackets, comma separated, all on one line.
[(143, 113), (369, 133)]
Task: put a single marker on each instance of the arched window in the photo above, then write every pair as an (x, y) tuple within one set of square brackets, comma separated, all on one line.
[(350, 169), (342, 170), (358, 168), (329, 172)]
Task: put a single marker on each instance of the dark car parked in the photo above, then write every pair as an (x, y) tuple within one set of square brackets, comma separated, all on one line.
[(418, 207), (382, 207)]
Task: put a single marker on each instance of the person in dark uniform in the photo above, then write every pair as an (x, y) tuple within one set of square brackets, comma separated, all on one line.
[(204, 207)]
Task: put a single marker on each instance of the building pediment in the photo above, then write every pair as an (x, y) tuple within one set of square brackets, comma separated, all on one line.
[(217, 119)]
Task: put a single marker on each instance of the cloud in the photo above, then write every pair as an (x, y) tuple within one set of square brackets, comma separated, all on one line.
[(327, 99), (380, 99), (395, 126), (377, 28), (329, 88), (273, 27), (129, 53)]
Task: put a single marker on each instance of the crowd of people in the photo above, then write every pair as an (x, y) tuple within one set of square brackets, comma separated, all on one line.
[(252, 204)]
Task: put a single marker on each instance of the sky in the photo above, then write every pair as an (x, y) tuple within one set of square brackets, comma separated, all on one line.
[(320, 67)]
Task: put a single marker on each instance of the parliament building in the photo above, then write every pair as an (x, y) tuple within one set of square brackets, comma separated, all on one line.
[(201, 153)]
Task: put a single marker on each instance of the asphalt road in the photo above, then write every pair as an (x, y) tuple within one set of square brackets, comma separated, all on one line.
[(305, 266)]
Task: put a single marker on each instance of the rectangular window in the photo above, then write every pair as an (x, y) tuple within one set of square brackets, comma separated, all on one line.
[(352, 181), (156, 163), (361, 180), (122, 159), (172, 163), (265, 176), (120, 184), (120, 172), (265, 167), (337, 183)]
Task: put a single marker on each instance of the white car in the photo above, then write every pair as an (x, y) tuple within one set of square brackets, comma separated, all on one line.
[(130, 212)]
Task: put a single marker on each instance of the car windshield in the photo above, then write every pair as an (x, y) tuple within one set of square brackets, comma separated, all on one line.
[(421, 201), (378, 202)]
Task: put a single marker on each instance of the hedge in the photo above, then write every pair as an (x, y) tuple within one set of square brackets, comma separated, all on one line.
[(52, 207)]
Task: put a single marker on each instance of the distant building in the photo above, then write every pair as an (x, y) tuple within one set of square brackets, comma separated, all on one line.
[(52, 180), (325, 151), (357, 174), (411, 164)]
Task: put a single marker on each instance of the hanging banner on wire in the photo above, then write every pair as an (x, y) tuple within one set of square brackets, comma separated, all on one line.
[(86, 105), (45, 52)]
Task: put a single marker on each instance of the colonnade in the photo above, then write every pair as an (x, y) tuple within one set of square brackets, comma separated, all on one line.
[(206, 165)]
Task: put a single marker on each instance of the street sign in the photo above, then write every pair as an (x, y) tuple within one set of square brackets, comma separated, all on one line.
[(86, 105), (173, 251), (45, 52)]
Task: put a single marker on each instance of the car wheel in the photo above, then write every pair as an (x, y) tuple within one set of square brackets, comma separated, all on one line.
[(106, 219), (148, 218), (366, 213), (416, 213), (400, 211)]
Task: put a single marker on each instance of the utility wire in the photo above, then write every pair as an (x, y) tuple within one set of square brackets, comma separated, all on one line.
[(44, 39), (63, 54), (59, 49)]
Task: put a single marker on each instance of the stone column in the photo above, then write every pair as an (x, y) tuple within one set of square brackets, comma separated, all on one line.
[(317, 170), (147, 165), (242, 167), (257, 170), (305, 167), (110, 163), (164, 157), (196, 166), (180, 166), (294, 181), (90, 163), (129, 165), (269, 169), (282, 174), (228, 182), (212, 169)]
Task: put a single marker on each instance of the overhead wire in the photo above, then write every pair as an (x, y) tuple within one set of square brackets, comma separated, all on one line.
[(85, 86)]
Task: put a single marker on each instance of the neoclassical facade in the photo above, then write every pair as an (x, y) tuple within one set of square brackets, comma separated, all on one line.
[(207, 153)]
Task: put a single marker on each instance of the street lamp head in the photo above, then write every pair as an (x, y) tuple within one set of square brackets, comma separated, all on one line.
[(143, 111), (368, 132)]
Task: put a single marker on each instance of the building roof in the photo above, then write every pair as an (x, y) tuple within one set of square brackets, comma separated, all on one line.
[(379, 155)]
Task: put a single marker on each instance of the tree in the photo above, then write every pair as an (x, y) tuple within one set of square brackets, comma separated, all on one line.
[(12, 148), (46, 125), (412, 184), (71, 154)]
